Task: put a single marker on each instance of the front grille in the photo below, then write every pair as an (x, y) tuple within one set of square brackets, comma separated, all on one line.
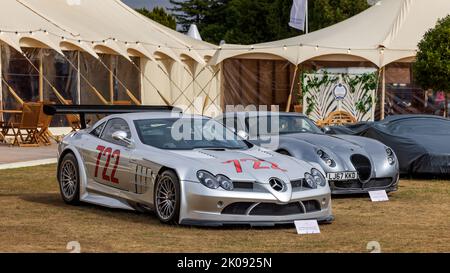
[(363, 166), (272, 209), (356, 184), (237, 208), (266, 209), (378, 183)]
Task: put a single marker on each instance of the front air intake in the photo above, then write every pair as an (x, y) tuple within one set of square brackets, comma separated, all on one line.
[(362, 166)]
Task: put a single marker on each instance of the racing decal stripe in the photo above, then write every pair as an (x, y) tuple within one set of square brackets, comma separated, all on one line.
[(136, 179)]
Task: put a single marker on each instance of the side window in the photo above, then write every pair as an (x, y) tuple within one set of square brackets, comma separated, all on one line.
[(232, 123), (238, 125), (98, 130), (227, 122), (114, 125)]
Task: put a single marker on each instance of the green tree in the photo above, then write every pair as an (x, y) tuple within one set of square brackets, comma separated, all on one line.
[(432, 67), (256, 21), (190, 12), (159, 15), (324, 13)]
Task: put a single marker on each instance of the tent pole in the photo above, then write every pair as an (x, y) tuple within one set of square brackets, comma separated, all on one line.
[(1, 83), (41, 76), (111, 79), (307, 17), (78, 77), (383, 92), (291, 94)]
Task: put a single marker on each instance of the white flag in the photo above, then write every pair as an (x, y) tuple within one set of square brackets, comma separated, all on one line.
[(298, 14)]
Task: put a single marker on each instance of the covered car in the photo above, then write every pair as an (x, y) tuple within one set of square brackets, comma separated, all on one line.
[(421, 142)]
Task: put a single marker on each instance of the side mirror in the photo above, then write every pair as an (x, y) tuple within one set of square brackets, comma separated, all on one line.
[(243, 134), (326, 130), (122, 136)]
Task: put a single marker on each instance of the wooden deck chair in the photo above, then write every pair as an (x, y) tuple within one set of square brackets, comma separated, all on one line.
[(44, 134), (73, 120), (29, 123), (339, 118), (3, 131)]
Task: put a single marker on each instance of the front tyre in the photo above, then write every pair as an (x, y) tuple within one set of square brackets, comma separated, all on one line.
[(69, 179), (167, 198)]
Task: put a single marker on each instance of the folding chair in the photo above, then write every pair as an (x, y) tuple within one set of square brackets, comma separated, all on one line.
[(3, 132), (73, 120), (44, 135), (29, 122)]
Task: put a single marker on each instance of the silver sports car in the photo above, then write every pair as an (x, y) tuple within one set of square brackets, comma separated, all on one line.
[(352, 164), (189, 170)]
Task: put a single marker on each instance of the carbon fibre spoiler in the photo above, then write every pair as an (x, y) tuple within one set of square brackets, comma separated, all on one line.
[(82, 110)]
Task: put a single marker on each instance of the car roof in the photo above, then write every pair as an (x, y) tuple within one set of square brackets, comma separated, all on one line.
[(262, 113), (394, 118), (148, 115), (156, 115)]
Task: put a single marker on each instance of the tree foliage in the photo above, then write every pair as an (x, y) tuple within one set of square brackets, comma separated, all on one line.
[(256, 21), (432, 67), (159, 15), (191, 11)]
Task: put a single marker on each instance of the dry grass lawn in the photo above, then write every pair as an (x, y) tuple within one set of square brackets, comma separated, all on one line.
[(34, 219)]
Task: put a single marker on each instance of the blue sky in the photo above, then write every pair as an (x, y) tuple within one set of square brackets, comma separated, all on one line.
[(147, 3)]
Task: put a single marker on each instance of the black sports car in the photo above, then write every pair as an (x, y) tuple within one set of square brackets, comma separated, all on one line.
[(421, 142)]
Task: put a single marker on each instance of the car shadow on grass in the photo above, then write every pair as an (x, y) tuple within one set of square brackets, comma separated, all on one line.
[(54, 200)]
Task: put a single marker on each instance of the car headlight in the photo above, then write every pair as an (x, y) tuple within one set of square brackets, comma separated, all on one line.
[(318, 177), (390, 154), (310, 181), (214, 182), (208, 179), (326, 158), (225, 182)]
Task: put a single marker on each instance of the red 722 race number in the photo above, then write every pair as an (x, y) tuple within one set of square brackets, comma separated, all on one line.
[(258, 164), (109, 154)]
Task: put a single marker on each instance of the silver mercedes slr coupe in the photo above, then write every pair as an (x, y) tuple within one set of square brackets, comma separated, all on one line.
[(189, 170), (352, 164)]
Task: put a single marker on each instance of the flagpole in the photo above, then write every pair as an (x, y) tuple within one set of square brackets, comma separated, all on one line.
[(307, 17)]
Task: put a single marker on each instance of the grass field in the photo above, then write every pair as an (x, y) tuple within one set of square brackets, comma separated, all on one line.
[(34, 219)]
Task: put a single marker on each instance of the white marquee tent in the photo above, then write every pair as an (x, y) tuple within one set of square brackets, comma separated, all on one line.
[(102, 51), (384, 33), (172, 66)]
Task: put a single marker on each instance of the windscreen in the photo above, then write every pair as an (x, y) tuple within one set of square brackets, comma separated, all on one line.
[(280, 125), (187, 134)]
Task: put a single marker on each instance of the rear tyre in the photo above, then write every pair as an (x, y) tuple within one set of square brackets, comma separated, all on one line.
[(69, 179), (167, 198)]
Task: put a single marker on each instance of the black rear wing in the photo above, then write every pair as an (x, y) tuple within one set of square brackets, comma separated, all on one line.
[(82, 110)]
